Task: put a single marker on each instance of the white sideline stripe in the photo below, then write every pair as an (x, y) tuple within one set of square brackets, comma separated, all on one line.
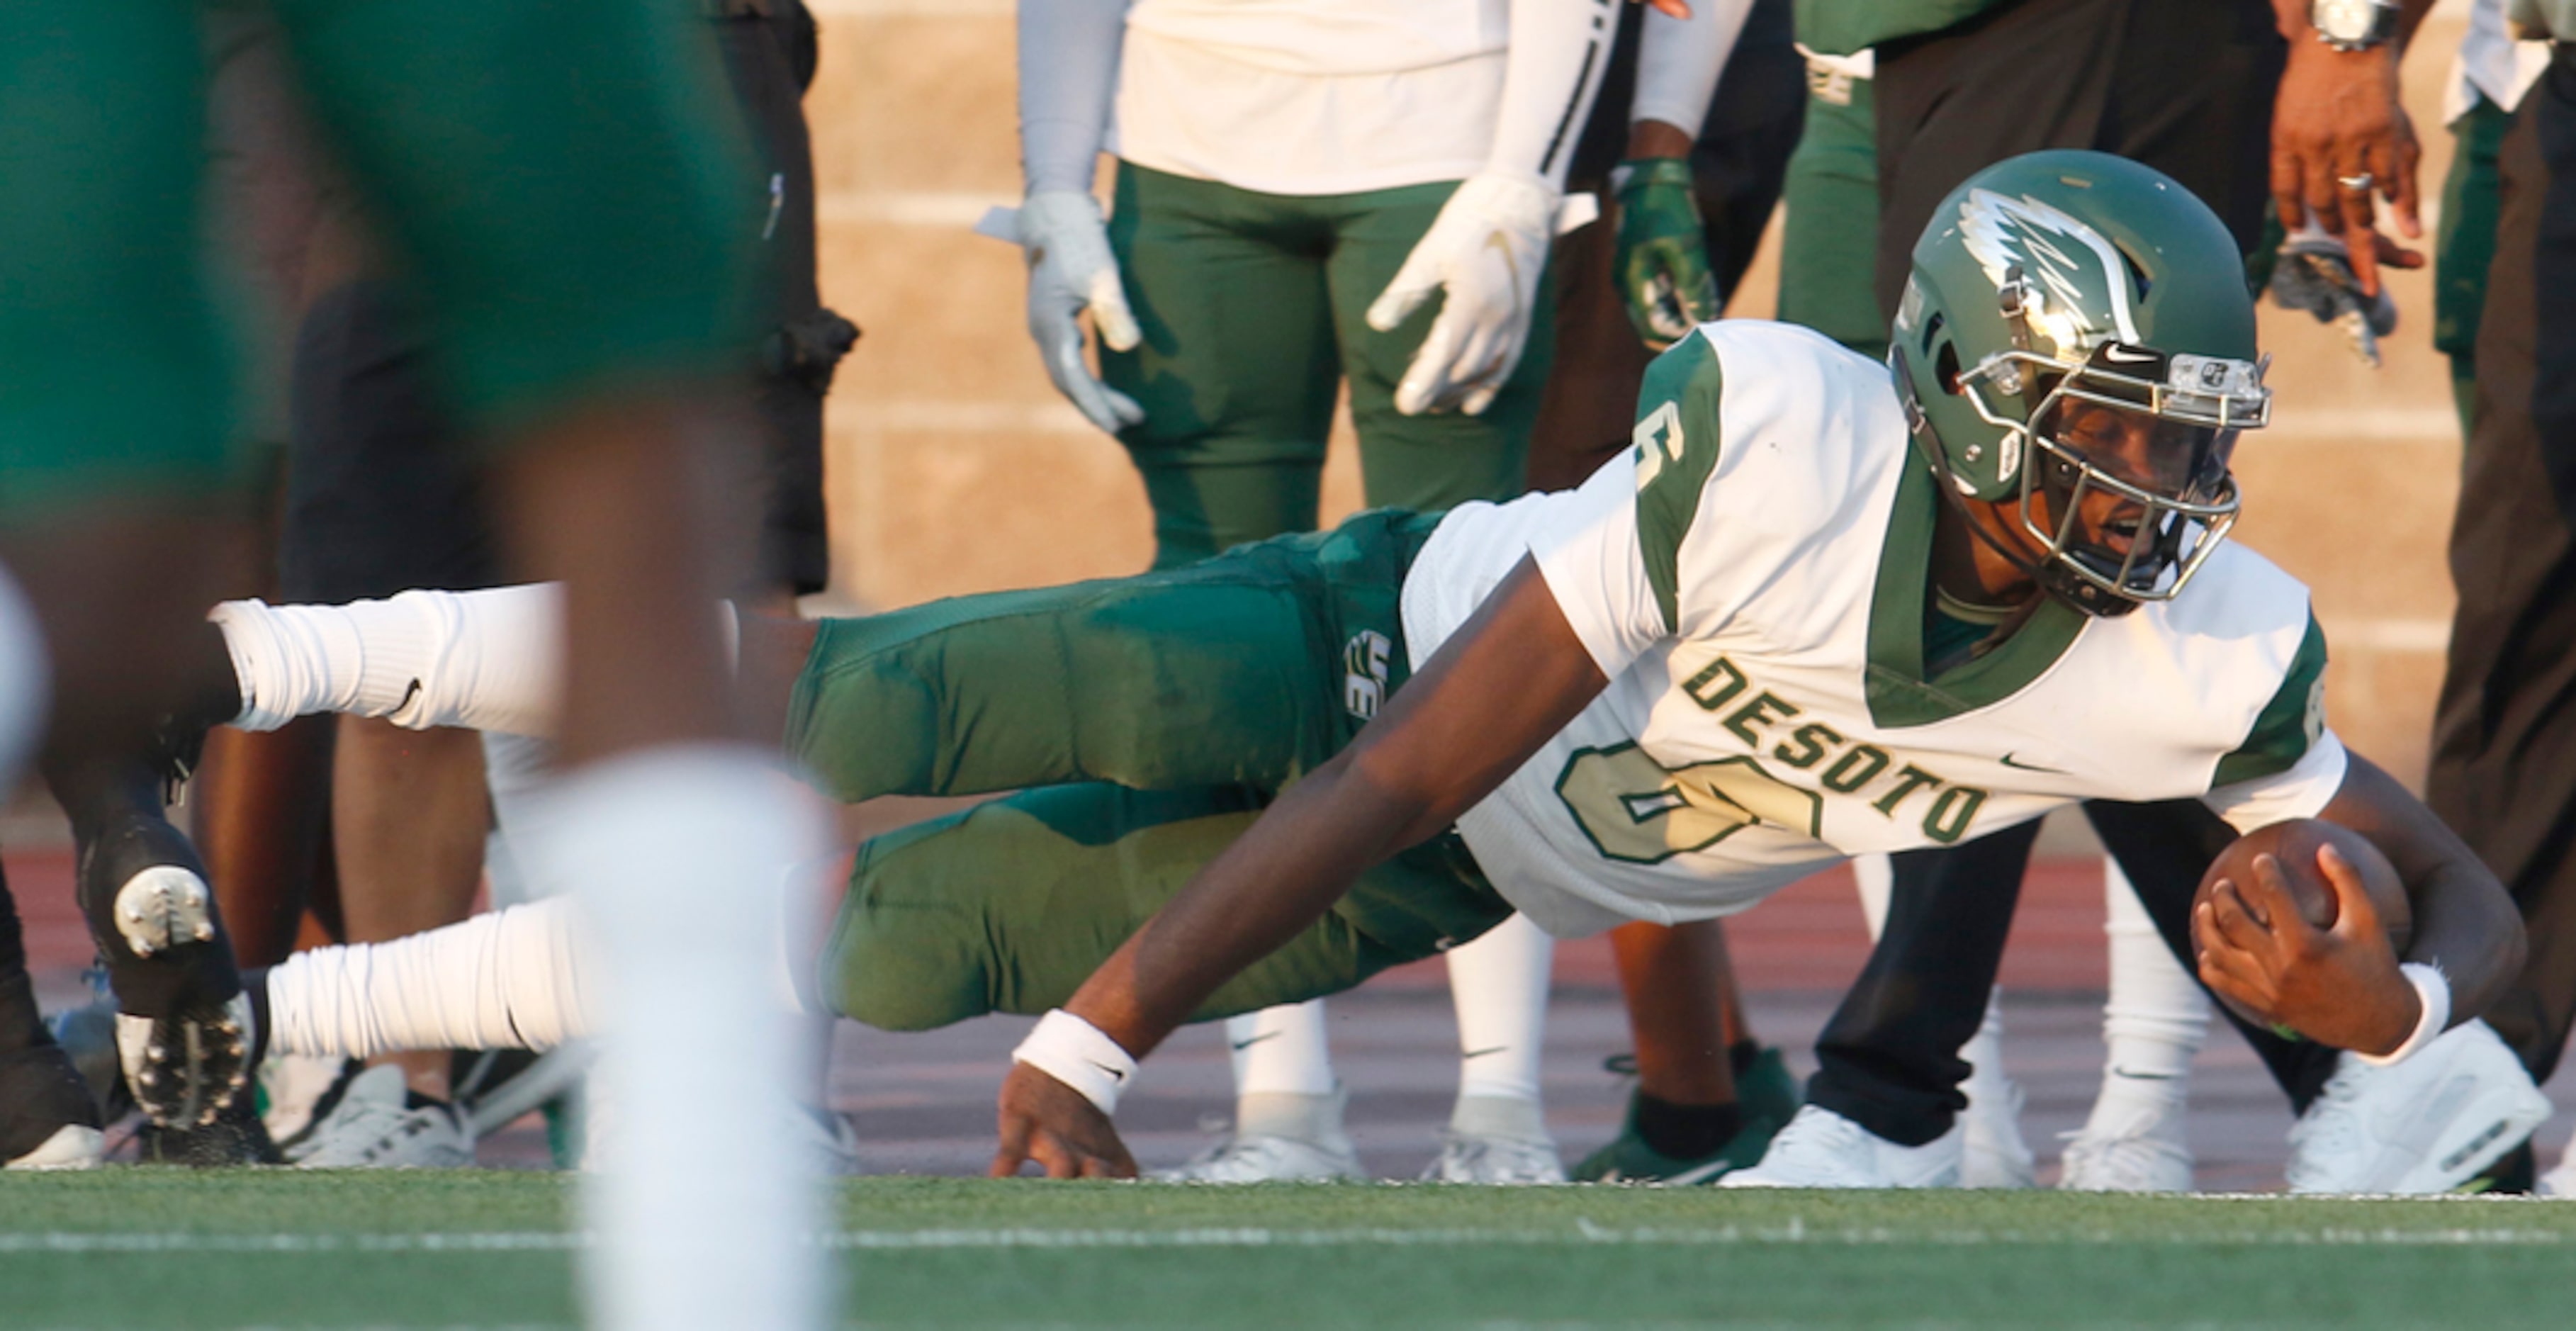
[(1582, 1232)]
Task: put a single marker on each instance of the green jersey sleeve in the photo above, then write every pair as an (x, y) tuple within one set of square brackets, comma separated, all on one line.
[(1677, 440), (2289, 723)]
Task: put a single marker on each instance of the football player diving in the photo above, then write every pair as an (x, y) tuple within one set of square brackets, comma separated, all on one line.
[(1823, 607)]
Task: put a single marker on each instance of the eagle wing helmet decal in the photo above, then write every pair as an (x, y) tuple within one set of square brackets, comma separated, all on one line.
[(2062, 262)]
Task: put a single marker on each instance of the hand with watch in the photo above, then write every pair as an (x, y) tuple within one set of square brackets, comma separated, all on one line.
[(2340, 138)]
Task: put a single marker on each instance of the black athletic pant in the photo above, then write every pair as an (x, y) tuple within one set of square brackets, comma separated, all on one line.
[(2504, 741), (2184, 86)]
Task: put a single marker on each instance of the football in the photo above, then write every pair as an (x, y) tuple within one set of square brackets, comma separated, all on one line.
[(2295, 843)]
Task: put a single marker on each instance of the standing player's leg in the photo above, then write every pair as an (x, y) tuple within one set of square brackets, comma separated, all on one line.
[(1237, 380), (565, 187), (1883, 1107), (47, 1118), (118, 440), (1497, 1130), (2152, 1026), (2502, 774)]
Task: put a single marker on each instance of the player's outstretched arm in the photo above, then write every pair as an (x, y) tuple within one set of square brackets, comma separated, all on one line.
[(2341, 984), (1512, 676)]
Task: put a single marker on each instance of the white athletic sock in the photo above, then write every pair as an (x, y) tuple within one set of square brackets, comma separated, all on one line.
[(1280, 1050), (704, 1212), (488, 660), (1984, 1054), (514, 767), (2156, 1017), (1499, 983), (518, 978), (1875, 876)]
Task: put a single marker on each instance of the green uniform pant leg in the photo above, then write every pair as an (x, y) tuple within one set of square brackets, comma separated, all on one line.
[(569, 181), (2464, 245), (1207, 675), (114, 374), (1236, 370), (1202, 509), (1442, 459), (1011, 905), (1831, 240)]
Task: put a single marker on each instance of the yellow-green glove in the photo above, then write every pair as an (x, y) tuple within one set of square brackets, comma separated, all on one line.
[(1662, 260)]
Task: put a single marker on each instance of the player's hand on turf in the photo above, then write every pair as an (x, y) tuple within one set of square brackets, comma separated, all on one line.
[(1662, 257), (1049, 1124), (2340, 137), (2338, 986), (1072, 270), (1482, 257)]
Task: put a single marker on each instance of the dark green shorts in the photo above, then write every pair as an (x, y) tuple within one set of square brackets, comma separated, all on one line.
[(1145, 722), (563, 179)]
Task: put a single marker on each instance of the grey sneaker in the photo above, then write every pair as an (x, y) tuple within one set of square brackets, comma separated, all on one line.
[(1494, 1140), (380, 1124), (1278, 1138)]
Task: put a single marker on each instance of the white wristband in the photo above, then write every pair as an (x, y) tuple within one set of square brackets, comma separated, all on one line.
[(1073, 1051), (2435, 989)]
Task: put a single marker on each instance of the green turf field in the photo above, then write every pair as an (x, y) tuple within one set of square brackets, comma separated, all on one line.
[(155, 1248)]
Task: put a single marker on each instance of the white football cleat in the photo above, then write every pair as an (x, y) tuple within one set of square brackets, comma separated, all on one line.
[(71, 1147), (1992, 1153), (2428, 1124), (1496, 1140), (2140, 1150), (1823, 1149), (375, 1126), (1278, 1137)]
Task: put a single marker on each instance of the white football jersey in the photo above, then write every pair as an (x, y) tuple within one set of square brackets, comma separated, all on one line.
[(1751, 578)]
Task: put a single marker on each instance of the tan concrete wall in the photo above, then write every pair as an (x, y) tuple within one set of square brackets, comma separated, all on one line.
[(954, 467)]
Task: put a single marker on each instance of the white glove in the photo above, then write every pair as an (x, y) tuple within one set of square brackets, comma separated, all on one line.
[(1485, 251), (1071, 270)]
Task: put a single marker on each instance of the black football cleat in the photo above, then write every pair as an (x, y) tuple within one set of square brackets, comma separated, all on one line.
[(186, 1067), (234, 1136)]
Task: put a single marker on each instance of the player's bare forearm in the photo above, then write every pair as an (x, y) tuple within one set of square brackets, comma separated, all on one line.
[(1511, 677), (2465, 922)]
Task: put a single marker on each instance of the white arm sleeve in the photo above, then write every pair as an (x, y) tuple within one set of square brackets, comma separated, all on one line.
[(2296, 791), (1068, 76), (1558, 50), (1678, 61)]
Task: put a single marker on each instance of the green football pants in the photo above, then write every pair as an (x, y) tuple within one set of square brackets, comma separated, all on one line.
[(1145, 722), (1252, 307), (2464, 245), (563, 179), (1831, 241)]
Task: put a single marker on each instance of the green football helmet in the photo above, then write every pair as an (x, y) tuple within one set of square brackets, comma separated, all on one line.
[(2077, 325)]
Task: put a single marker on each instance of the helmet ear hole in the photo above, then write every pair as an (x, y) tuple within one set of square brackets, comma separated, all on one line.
[(1945, 368), (2137, 273)]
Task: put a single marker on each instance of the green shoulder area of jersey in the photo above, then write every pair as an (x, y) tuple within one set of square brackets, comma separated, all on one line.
[(1677, 441), (2289, 723)]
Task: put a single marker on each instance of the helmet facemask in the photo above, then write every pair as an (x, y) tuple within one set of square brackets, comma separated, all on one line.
[(2152, 431)]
